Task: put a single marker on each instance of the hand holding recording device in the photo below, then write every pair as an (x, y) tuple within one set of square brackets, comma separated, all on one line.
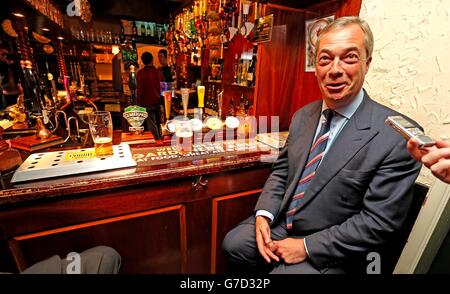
[(408, 130)]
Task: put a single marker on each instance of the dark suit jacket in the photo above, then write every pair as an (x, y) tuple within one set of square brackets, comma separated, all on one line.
[(362, 190)]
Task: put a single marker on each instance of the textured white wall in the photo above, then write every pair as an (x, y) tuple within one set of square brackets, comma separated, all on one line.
[(410, 70)]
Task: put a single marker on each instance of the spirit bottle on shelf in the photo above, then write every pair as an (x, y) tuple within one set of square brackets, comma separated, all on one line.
[(251, 70), (143, 29), (244, 73), (134, 29), (235, 69)]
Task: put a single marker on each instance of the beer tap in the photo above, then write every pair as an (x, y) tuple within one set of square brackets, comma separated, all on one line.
[(32, 93), (132, 83), (63, 76), (67, 123), (78, 138), (74, 73)]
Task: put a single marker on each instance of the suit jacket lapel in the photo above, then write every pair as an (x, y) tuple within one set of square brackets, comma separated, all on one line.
[(355, 135)]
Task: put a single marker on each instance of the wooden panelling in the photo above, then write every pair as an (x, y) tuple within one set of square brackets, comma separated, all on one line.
[(6, 257), (75, 209), (157, 227), (198, 228), (227, 212), (152, 241)]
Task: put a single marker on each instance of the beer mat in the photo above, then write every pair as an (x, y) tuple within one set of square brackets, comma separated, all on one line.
[(275, 139), (168, 154), (71, 162)]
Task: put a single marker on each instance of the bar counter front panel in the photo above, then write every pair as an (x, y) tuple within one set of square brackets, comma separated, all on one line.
[(168, 218)]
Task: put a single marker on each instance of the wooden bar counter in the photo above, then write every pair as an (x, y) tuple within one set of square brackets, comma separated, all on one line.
[(167, 218)]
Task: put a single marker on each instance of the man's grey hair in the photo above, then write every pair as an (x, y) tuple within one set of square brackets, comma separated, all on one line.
[(345, 21)]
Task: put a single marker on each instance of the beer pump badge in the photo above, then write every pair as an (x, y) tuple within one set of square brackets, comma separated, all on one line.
[(135, 115)]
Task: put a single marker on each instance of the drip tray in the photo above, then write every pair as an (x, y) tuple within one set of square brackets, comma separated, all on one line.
[(71, 162)]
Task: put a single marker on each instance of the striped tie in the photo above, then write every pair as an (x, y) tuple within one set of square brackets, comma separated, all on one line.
[(315, 155)]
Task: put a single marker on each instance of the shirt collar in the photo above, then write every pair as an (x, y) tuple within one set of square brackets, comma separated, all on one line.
[(348, 110)]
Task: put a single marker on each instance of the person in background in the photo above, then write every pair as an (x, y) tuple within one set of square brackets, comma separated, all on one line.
[(436, 158), (165, 68), (149, 93)]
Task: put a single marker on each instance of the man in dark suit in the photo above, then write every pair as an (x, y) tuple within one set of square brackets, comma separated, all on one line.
[(342, 185)]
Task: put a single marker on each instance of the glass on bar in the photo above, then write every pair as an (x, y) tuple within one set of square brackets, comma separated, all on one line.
[(101, 127), (184, 135)]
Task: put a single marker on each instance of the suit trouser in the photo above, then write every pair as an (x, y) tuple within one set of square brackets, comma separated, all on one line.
[(241, 250), (97, 260)]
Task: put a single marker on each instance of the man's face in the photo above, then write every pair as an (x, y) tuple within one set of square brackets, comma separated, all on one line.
[(162, 59), (341, 65)]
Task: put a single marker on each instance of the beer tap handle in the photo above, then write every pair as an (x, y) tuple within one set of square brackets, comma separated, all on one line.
[(57, 114), (77, 128)]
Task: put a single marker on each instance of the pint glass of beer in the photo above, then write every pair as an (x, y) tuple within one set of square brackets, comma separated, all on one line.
[(183, 134), (100, 125)]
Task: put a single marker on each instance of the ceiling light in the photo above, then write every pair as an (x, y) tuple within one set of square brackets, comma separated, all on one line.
[(60, 38), (18, 14), (45, 29)]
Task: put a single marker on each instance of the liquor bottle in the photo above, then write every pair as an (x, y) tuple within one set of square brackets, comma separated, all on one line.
[(251, 70), (239, 72), (211, 96), (207, 98), (152, 29), (251, 74), (241, 108), (235, 69), (139, 28), (143, 29), (147, 29), (246, 105), (216, 100), (231, 111), (244, 73), (134, 29)]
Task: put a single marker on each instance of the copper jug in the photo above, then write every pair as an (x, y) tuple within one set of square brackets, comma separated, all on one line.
[(42, 132)]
